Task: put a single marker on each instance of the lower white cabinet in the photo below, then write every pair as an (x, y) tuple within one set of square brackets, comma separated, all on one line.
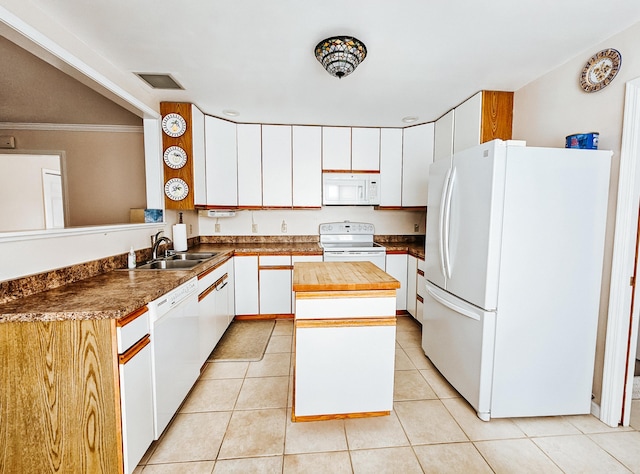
[(136, 389), (412, 269), (421, 289), (246, 284), (213, 308), (397, 267), (274, 273)]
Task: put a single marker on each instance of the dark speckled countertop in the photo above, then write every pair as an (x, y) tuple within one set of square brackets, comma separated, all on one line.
[(115, 294)]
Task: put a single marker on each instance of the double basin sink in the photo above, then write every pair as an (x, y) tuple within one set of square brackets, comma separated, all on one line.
[(177, 261)]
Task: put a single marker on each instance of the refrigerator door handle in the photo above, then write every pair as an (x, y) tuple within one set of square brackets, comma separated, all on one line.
[(454, 307), (441, 247), (446, 220)]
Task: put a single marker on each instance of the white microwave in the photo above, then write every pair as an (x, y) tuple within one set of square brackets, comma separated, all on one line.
[(350, 189)]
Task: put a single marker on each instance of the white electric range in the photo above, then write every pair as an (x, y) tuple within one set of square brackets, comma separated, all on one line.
[(351, 242)]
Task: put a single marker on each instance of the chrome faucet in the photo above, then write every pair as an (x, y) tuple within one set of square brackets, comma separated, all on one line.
[(157, 240)]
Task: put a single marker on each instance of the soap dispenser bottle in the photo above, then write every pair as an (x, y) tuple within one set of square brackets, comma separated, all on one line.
[(131, 258)]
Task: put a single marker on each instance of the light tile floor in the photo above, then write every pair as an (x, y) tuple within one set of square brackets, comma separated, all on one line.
[(237, 419)]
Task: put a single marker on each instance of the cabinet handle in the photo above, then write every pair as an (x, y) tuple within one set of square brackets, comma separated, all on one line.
[(131, 316), (133, 350), (221, 287)]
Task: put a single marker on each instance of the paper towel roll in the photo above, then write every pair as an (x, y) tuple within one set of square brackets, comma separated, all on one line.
[(180, 237)]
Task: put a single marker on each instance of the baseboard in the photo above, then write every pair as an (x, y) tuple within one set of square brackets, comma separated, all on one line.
[(595, 409)]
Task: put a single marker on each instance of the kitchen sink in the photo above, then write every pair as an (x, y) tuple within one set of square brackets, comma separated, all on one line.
[(163, 264), (193, 256), (177, 261)]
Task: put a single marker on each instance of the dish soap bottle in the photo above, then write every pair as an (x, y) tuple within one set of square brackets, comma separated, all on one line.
[(131, 258)]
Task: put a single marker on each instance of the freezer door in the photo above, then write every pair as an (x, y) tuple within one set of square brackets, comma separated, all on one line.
[(439, 173), (473, 224), (459, 340)]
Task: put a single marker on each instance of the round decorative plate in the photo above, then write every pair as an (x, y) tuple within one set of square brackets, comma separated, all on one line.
[(176, 189), (600, 70), (175, 157), (174, 125)]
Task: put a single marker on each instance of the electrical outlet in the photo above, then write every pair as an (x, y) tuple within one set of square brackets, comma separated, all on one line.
[(190, 229), (217, 227), (254, 228), (416, 227), (283, 227)]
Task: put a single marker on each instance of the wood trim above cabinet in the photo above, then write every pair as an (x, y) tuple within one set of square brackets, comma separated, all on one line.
[(497, 116), (185, 142)]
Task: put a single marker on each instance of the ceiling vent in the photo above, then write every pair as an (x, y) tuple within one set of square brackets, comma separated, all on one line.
[(159, 81)]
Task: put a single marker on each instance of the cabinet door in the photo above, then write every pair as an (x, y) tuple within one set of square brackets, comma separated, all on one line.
[(417, 155), (199, 157), (307, 166), (221, 307), (365, 149), (221, 162), (466, 127), (391, 167), (443, 137), (336, 148), (397, 268), (276, 166), (246, 284), (275, 284), (412, 270), (249, 165), (136, 398), (231, 293)]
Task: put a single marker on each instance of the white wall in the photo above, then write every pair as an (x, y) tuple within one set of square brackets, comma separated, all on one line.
[(553, 106)]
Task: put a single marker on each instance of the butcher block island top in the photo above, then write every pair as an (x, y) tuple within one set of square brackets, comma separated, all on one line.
[(341, 276)]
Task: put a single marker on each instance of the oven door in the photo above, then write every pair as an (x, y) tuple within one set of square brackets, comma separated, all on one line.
[(336, 255)]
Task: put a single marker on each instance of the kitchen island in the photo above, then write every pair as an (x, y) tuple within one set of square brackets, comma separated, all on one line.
[(344, 340)]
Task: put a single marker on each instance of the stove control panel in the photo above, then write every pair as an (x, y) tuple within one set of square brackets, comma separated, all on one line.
[(347, 227)]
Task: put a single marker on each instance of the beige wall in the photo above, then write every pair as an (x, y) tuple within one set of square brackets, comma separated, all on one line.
[(104, 172), (553, 106)]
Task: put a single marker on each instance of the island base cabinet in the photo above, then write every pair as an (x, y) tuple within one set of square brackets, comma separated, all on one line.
[(343, 371)]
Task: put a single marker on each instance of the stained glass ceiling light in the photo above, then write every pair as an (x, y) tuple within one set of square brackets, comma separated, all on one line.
[(340, 55)]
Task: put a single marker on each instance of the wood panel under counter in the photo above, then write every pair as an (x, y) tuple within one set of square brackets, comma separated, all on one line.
[(344, 340)]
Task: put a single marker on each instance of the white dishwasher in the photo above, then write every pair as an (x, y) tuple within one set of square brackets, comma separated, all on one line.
[(174, 341)]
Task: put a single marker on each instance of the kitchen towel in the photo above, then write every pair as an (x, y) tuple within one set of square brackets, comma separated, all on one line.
[(180, 237)]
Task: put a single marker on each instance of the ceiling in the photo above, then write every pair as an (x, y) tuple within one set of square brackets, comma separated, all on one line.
[(256, 56)]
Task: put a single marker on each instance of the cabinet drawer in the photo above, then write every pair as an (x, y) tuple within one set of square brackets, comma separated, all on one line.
[(132, 328), (205, 280), (274, 260)]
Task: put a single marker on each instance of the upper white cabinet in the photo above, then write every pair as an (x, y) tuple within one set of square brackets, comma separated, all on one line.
[(249, 165), (336, 148), (467, 124), (391, 167), (417, 156), (307, 166), (365, 149), (277, 182), (484, 117), (199, 157), (221, 162), (443, 137)]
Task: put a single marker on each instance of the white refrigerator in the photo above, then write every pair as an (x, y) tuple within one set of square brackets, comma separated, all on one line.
[(514, 255)]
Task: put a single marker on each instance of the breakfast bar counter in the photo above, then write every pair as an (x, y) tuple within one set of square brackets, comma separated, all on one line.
[(344, 340)]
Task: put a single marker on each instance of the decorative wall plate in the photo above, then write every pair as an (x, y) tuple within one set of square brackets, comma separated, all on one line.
[(600, 70), (176, 189), (174, 125), (175, 157)]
